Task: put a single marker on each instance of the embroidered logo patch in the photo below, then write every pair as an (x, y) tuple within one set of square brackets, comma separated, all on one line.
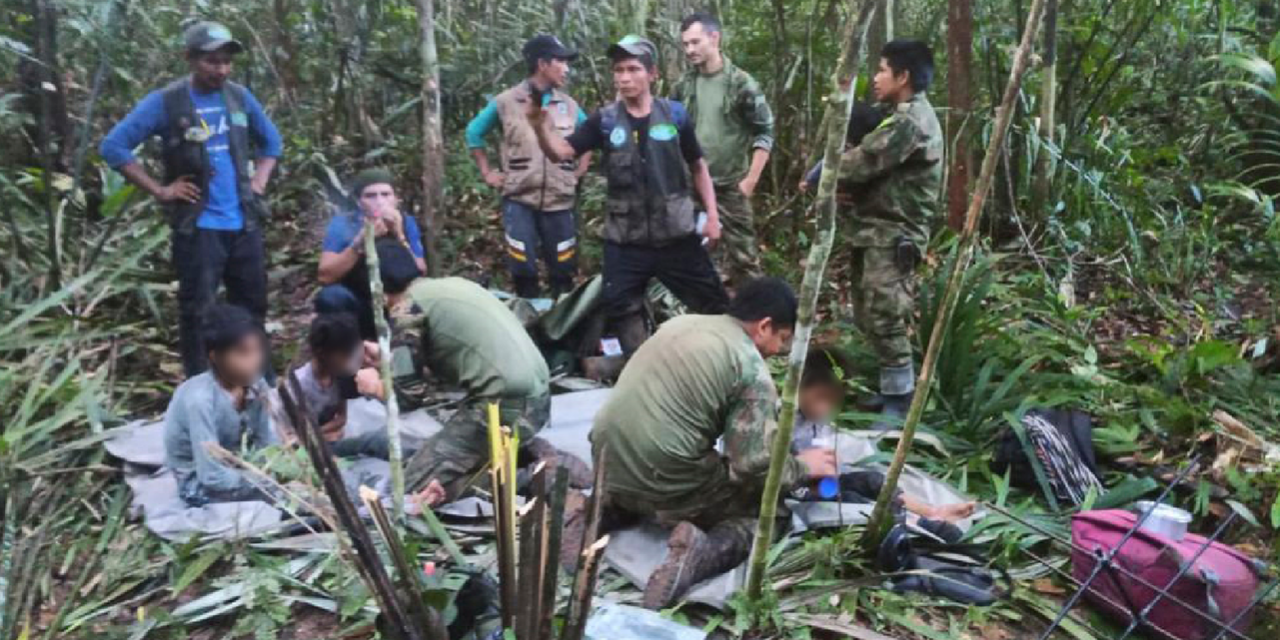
[(663, 132), (239, 119), (617, 137)]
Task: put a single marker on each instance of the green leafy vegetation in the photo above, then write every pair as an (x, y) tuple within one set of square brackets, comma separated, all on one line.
[(1142, 290)]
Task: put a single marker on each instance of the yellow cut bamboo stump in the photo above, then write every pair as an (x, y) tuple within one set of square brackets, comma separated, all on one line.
[(501, 477), (838, 115), (378, 296), (878, 525)]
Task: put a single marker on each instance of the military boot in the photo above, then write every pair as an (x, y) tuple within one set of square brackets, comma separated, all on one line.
[(897, 385), (580, 476), (694, 556)]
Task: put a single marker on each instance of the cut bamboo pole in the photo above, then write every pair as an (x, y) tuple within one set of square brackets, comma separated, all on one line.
[(378, 296), (880, 519), (551, 552), (584, 587), (532, 531), (501, 476), (371, 569), (838, 115), (412, 591)]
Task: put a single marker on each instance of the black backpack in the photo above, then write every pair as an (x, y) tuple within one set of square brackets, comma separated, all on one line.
[(1053, 450)]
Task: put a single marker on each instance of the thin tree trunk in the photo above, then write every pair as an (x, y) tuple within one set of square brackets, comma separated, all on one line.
[(45, 83), (395, 455), (881, 518), (1048, 100), (844, 83), (432, 134), (960, 97)]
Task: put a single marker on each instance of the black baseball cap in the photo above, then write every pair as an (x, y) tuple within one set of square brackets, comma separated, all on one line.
[(633, 46), (547, 47), (208, 36)]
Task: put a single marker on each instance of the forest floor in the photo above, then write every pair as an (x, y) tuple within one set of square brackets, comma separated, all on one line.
[(1133, 356)]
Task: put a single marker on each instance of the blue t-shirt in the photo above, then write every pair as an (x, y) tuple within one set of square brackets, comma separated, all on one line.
[(344, 228), (148, 119), (223, 209)]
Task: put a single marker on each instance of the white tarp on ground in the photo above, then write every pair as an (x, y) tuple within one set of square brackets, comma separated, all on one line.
[(634, 552)]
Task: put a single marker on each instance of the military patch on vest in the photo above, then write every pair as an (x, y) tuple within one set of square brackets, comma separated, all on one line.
[(239, 119), (663, 132), (617, 137)]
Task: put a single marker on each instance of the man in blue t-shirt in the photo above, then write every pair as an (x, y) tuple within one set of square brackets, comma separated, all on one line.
[(218, 149), (342, 268)]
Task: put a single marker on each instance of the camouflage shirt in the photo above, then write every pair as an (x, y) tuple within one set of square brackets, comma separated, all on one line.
[(464, 337), (730, 122), (891, 182), (697, 380)]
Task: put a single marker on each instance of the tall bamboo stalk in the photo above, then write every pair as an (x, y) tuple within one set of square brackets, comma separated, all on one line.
[(384, 369), (432, 133), (838, 114), (1048, 103), (880, 516)]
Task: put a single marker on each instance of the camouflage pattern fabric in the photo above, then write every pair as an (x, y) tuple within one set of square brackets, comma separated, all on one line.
[(738, 252), (890, 183), (883, 299), (461, 449), (746, 121)]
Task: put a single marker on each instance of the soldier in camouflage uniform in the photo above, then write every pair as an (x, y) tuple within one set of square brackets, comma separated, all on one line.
[(735, 125), (465, 338), (700, 378), (890, 184)]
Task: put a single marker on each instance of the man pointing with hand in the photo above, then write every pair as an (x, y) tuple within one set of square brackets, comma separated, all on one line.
[(652, 162)]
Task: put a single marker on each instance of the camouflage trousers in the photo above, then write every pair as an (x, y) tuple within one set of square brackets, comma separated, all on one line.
[(738, 254), (883, 301), (730, 508), (461, 448)]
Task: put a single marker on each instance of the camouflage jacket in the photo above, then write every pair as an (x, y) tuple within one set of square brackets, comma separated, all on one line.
[(746, 122), (890, 184), (699, 379)]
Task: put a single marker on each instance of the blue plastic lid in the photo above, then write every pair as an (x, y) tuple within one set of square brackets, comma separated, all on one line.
[(829, 487)]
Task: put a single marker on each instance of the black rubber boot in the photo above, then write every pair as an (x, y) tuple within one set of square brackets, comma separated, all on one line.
[(527, 287), (694, 556), (892, 412)]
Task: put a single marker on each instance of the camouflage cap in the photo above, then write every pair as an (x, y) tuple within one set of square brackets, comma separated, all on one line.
[(634, 46)]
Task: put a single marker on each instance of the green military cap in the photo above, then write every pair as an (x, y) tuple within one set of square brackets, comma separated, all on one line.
[(205, 36), (634, 45), (368, 177)]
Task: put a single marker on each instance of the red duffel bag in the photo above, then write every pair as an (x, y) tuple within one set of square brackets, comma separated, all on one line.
[(1220, 584)]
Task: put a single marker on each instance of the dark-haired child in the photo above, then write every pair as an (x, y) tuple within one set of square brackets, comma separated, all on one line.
[(224, 405)]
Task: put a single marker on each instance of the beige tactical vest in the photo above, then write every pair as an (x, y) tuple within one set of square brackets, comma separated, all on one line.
[(533, 179)]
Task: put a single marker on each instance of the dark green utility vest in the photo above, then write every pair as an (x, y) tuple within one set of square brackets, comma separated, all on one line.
[(184, 153), (648, 199)]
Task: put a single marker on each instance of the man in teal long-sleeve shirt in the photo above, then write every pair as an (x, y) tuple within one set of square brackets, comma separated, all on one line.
[(538, 194)]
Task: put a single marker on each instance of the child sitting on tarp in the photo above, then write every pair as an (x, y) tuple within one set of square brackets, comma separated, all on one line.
[(328, 380), (225, 405), (820, 397)]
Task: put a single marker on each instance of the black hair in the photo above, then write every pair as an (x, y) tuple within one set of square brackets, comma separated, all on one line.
[(532, 64), (912, 56), (766, 298), (708, 22), (825, 366), (863, 119), (333, 333), (396, 265), (224, 326)]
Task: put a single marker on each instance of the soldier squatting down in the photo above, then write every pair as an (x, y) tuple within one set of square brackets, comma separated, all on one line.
[(700, 379)]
